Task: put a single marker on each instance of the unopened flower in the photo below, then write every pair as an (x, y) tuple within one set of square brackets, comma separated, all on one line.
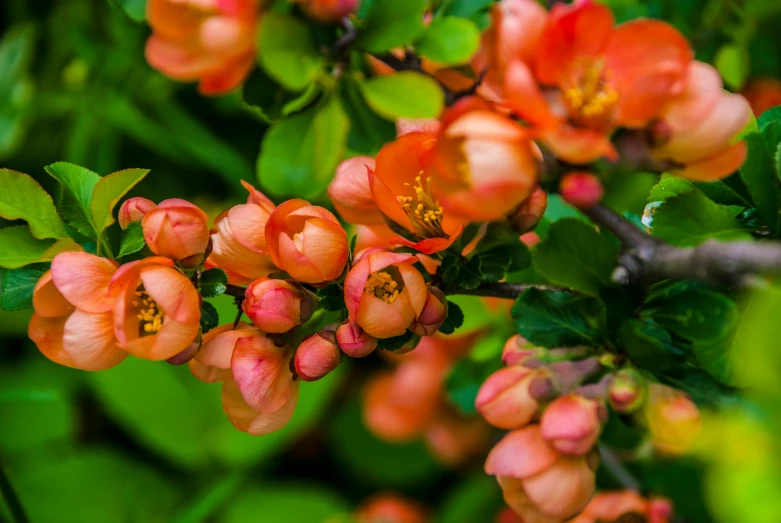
[(276, 306), (307, 242), (518, 349), (539, 483), (213, 361), (133, 210), (433, 314), (390, 508), (177, 229), (403, 191), (504, 399), (581, 189), (239, 244), (572, 423), (529, 213), (627, 391), (354, 341), (317, 355), (673, 419), (351, 194), (211, 41), (384, 293)]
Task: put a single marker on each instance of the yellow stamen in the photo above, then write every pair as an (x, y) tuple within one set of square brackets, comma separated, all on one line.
[(424, 212), (589, 97), (383, 286), (149, 315)]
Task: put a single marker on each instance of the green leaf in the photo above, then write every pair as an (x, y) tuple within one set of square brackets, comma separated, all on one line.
[(771, 115), (368, 130), (668, 187), (210, 318), (22, 197), (470, 500), (764, 188), (722, 359), (556, 318), (732, 62), (18, 285), (20, 248), (454, 319), (331, 298), (271, 101), (273, 502), (449, 40), (691, 218), (213, 282), (469, 274), (476, 10), (77, 184), (132, 240), (287, 51), (396, 342), (107, 193), (392, 23), (576, 256), (649, 345), (134, 9), (696, 314), (406, 94), (450, 267)]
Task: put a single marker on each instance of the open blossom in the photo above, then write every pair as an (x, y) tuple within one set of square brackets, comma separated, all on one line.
[(598, 76), (540, 484), (504, 399), (351, 194), (177, 229), (485, 164), (572, 423), (211, 41), (696, 129), (133, 210), (317, 355), (73, 323), (239, 243), (276, 306), (403, 191), (384, 293), (307, 242), (213, 361), (610, 506)]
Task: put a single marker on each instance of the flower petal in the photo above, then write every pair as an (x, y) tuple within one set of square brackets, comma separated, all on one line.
[(173, 292), (88, 339), (262, 372), (47, 300), (83, 279), (521, 454)]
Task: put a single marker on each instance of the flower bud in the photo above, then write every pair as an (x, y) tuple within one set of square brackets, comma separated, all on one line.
[(354, 341), (133, 210), (673, 419), (351, 194), (276, 306), (390, 508), (517, 349), (317, 356), (627, 391), (329, 10), (581, 189), (433, 314), (529, 213), (572, 424), (504, 399), (187, 354), (177, 229)]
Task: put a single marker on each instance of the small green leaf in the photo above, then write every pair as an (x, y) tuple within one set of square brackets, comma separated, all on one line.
[(450, 267), (107, 192), (20, 248), (454, 319), (77, 185), (732, 62), (556, 318), (771, 115), (210, 318), (287, 51), (22, 197), (331, 298), (577, 256), (271, 101), (300, 153), (668, 187), (213, 282), (396, 342), (132, 240), (449, 40), (477, 11), (696, 314), (368, 130), (392, 23), (18, 285), (404, 95), (763, 187), (470, 274), (134, 9), (649, 345)]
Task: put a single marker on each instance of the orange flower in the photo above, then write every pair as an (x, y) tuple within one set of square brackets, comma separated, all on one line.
[(133, 210), (177, 229), (252, 421), (384, 293), (600, 77), (350, 192), (762, 94), (402, 190), (504, 399), (696, 129), (353, 341), (307, 242), (390, 508), (213, 361), (156, 308), (72, 324), (211, 41), (239, 244), (610, 506), (539, 483)]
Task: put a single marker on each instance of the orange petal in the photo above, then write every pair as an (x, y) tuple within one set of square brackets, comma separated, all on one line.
[(47, 300), (47, 333), (89, 341), (83, 280), (579, 146), (380, 319), (173, 292), (262, 372), (520, 454), (295, 263), (523, 95), (562, 490), (325, 245), (717, 166), (228, 76), (246, 419)]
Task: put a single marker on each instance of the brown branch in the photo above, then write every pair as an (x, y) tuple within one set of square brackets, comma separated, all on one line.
[(509, 291), (647, 259)]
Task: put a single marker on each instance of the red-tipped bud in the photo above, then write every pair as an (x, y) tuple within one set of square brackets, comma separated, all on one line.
[(572, 424), (330, 10), (177, 229), (529, 213), (433, 314), (504, 399), (517, 350), (317, 355), (187, 354), (627, 392), (581, 189), (354, 341), (276, 306), (133, 210)]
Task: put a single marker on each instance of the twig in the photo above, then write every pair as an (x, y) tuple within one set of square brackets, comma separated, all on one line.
[(502, 290), (613, 464), (346, 40)]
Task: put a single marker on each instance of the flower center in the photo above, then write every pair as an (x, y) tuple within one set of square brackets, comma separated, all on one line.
[(383, 285), (150, 316), (589, 97), (423, 211)]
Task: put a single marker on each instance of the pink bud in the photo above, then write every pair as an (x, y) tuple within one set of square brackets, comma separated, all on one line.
[(572, 424), (581, 189), (187, 354), (276, 306), (517, 349), (354, 341), (133, 210), (504, 399), (660, 510), (351, 194), (317, 356), (529, 213), (433, 314), (627, 391), (177, 229)]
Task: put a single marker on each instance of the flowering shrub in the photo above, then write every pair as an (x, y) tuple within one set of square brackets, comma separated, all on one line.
[(557, 228)]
